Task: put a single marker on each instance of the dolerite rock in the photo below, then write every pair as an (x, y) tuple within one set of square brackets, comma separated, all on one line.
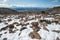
[(11, 31), (23, 28), (0, 35), (11, 26), (8, 26), (0, 21), (35, 26), (47, 21), (5, 39), (34, 23), (34, 35), (5, 32), (57, 31), (6, 23), (4, 28), (15, 23), (44, 27), (9, 20), (57, 38)]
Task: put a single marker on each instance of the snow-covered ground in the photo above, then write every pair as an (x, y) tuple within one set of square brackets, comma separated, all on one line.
[(24, 34)]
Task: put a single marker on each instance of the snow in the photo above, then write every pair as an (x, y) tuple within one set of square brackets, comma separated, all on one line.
[(2, 25), (54, 26), (49, 19), (24, 34)]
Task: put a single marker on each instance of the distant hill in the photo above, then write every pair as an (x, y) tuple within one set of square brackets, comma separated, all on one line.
[(55, 10), (23, 9), (20, 10), (7, 11)]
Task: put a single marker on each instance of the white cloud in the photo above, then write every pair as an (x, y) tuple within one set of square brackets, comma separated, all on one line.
[(27, 5), (55, 0), (3, 1), (19, 5), (5, 5)]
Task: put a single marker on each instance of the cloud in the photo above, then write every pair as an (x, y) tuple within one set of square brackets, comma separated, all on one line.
[(5, 5), (18, 5), (3, 1), (25, 5), (55, 1)]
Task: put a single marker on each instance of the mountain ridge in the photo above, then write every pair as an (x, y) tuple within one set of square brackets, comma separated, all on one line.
[(13, 11)]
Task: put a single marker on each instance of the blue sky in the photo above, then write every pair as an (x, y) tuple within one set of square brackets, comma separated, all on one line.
[(29, 3)]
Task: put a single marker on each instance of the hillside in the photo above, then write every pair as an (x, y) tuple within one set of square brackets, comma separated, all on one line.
[(7, 11), (55, 10)]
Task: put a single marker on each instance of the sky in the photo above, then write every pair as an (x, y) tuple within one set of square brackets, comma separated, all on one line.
[(29, 3)]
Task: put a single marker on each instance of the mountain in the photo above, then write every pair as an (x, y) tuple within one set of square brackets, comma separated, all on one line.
[(30, 10), (55, 10), (22, 9), (7, 11)]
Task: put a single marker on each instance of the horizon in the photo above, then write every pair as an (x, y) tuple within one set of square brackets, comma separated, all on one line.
[(30, 3)]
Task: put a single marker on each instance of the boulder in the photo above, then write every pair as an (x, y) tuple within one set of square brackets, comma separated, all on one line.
[(34, 35), (5, 39)]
